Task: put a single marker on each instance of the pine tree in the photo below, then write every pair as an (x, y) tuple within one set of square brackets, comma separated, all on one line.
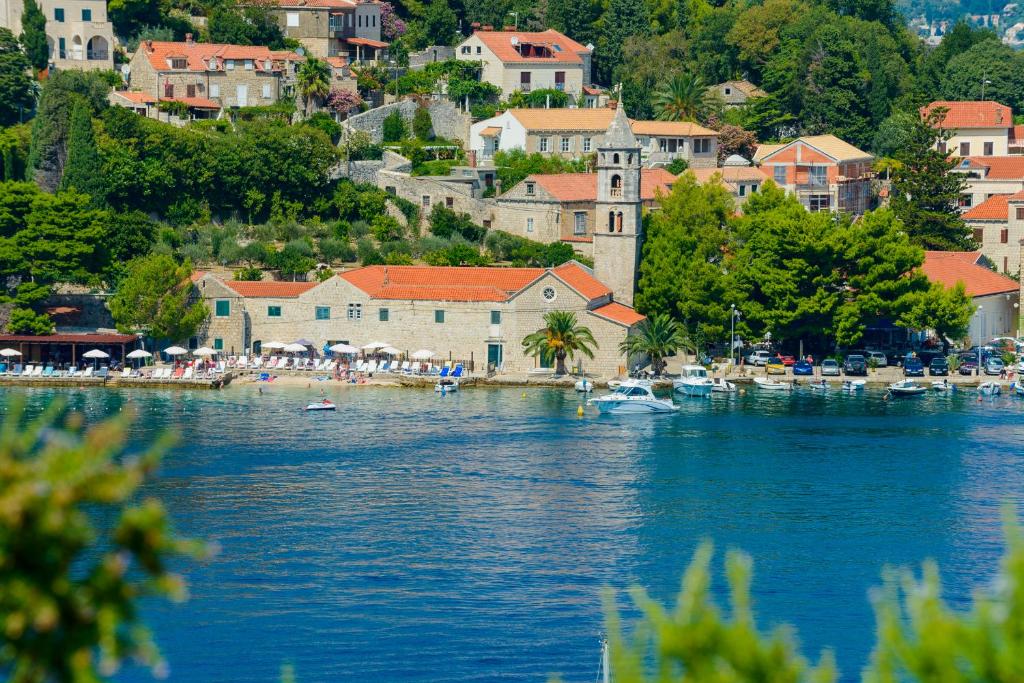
[(83, 169), (33, 36), (624, 19)]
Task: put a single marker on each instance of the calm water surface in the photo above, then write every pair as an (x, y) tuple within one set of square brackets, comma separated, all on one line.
[(411, 537)]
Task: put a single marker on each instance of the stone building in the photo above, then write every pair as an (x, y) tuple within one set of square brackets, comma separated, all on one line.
[(995, 297), (739, 178), (738, 93), (824, 172), (331, 28), (998, 225), (78, 33), (205, 77), (525, 61), (478, 316), (990, 176), (975, 128)]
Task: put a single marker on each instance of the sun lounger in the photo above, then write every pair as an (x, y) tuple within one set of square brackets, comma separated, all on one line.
[(37, 371), (457, 372), (127, 372), (87, 372), (444, 372), (3, 368), (48, 371), (29, 369), (187, 374), (371, 367), (102, 372), (384, 365), (360, 365), (404, 369), (178, 372)]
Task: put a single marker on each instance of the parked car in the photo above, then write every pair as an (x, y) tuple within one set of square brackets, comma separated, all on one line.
[(855, 365), (994, 366), (758, 358), (938, 367), (913, 367), (803, 368), (830, 368), (879, 358), (774, 366), (788, 361), (968, 364)]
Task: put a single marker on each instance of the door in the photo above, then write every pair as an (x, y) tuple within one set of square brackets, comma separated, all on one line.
[(494, 356), (242, 96)]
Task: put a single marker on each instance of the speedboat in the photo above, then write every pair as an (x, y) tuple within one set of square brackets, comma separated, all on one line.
[(584, 385), (819, 385), (723, 386), (854, 385), (322, 404), (943, 385), (1018, 388), (772, 384), (632, 396), (446, 386), (989, 389), (693, 381), (906, 387), (614, 384)]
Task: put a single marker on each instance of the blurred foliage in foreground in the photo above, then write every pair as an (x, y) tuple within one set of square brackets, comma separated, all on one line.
[(919, 637), (78, 549)]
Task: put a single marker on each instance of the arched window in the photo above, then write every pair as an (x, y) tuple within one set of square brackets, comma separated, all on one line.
[(611, 221), (618, 222), (616, 188), (615, 158), (629, 159), (97, 48)]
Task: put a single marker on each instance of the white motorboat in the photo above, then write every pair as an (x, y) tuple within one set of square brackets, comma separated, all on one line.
[(989, 389), (770, 384), (1018, 388), (906, 387), (819, 385), (322, 404), (632, 396), (693, 381), (854, 385), (943, 385), (446, 386), (614, 384), (584, 385), (723, 386)]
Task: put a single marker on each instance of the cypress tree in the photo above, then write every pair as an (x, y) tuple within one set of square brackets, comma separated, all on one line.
[(33, 36), (83, 169)]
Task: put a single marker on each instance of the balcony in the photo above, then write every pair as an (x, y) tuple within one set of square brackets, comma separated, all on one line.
[(615, 193), (524, 87), (98, 55)]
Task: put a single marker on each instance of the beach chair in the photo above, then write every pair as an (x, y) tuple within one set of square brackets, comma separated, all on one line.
[(178, 372), (404, 369), (319, 364), (384, 365), (444, 372), (187, 374), (457, 372), (360, 365), (3, 368), (29, 369), (127, 372), (221, 366), (48, 371), (87, 372), (37, 371), (17, 369), (102, 373), (371, 367)]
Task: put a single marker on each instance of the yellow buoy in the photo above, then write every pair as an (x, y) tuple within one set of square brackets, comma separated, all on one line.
[(579, 410), (524, 394)]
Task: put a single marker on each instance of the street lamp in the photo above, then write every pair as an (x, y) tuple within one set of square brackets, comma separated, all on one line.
[(733, 315), (516, 15), (981, 310), (984, 82)]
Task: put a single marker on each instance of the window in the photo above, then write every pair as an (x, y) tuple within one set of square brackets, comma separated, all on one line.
[(988, 149), (86, 15), (586, 144), (529, 225), (466, 49), (179, 63), (229, 64), (495, 317), (273, 311), (248, 64), (355, 311), (218, 344), (383, 315), (979, 235), (670, 145), (531, 189), (323, 313), (549, 294), (524, 81), (1006, 264), (478, 49), (292, 19), (580, 223), (439, 316), (61, 47), (566, 144), (1004, 236), (941, 146), (425, 200), (222, 308), (779, 175), (168, 90), (743, 190), (728, 91), (559, 80), (190, 90), (1020, 213), (817, 176), (966, 201), (58, 14), (965, 149), (818, 202), (266, 92), (543, 144), (214, 90), (449, 202), (701, 146)]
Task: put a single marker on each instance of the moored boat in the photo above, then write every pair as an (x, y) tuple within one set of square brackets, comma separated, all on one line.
[(989, 389), (723, 386), (943, 385), (322, 404), (853, 385), (584, 385), (632, 396), (819, 385), (772, 384), (906, 388), (693, 381)]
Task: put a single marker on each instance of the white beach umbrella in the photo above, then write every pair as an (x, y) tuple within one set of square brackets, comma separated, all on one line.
[(175, 351), (423, 354), (273, 345), (343, 348), (95, 353), (139, 353), (7, 353), (204, 351), (390, 350), (294, 348), (373, 346)]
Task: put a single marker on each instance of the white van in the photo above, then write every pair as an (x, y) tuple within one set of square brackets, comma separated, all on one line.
[(758, 358)]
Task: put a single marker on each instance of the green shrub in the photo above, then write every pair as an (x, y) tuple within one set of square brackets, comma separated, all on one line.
[(368, 253), (359, 229), (325, 122), (446, 223), (394, 128), (422, 127), (677, 166), (372, 203), (386, 228), (27, 321), (249, 274), (346, 200), (336, 250), (341, 230), (456, 255), (397, 258)]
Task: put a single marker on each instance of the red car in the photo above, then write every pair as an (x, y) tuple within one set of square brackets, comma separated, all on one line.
[(788, 361)]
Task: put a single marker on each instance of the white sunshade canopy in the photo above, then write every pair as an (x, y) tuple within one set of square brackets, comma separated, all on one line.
[(204, 351), (95, 353), (7, 353), (175, 351), (373, 346), (139, 353), (273, 345), (343, 348), (423, 354), (295, 348), (390, 350)]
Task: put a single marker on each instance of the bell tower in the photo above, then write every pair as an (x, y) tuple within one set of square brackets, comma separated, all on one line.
[(618, 232)]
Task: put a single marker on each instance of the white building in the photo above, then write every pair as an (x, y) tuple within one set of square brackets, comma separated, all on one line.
[(996, 297), (78, 33), (976, 128)]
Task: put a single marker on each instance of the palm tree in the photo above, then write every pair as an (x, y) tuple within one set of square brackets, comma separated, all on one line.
[(657, 337), (561, 337), (313, 80), (684, 98)]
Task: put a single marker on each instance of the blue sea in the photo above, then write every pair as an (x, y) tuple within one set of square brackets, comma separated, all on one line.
[(413, 537)]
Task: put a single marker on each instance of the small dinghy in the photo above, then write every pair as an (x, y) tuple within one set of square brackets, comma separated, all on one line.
[(852, 386), (906, 388), (723, 386), (820, 385), (323, 404), (584, 386), (989, 389), (943, 385), (769, 384), (1018, 388)]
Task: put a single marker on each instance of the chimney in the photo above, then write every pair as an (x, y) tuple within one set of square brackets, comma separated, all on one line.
[(188, 39), (508, 28), (475, 26), (471, 158), (613, 104), (486, 27), (497, 187), (149, 46)]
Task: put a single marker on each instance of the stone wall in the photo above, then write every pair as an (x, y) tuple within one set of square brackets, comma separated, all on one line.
[(372, 121), (427, 192), (80, 311), (434, 53), (445, 117), (449, 121)]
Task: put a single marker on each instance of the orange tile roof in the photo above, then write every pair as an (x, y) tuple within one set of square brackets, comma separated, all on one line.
[(986, 114), (441, 283), (730, 174), (1017, 134), (135, 96), (595, 119), (194, 102), (619, 313), (366, 42), (304, 4), (337, 62), (269, 288), (999, 168), (490, 131), (580, 279), (671, 128), (582, 187), (198, 56), (952, 267), (564, 50), (992, 209)]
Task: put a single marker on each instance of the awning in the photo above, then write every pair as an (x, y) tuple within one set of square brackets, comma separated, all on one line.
[(491, 131), (193, 102), (366, 42)]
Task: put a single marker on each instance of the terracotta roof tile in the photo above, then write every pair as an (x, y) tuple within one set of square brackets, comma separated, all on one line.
[(269, 288), (619, 313), (1017, 134), (563, 50), (304, 4), (581, 279), (992, 209), (672, 128), (97, 339), (596, 120), (972, 114), (952, 267), (582, 187), (135, 96), (198, 56), (998, 168), (840, 150), (366, 42), (194, 102), (730, 174), (441, 283)]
